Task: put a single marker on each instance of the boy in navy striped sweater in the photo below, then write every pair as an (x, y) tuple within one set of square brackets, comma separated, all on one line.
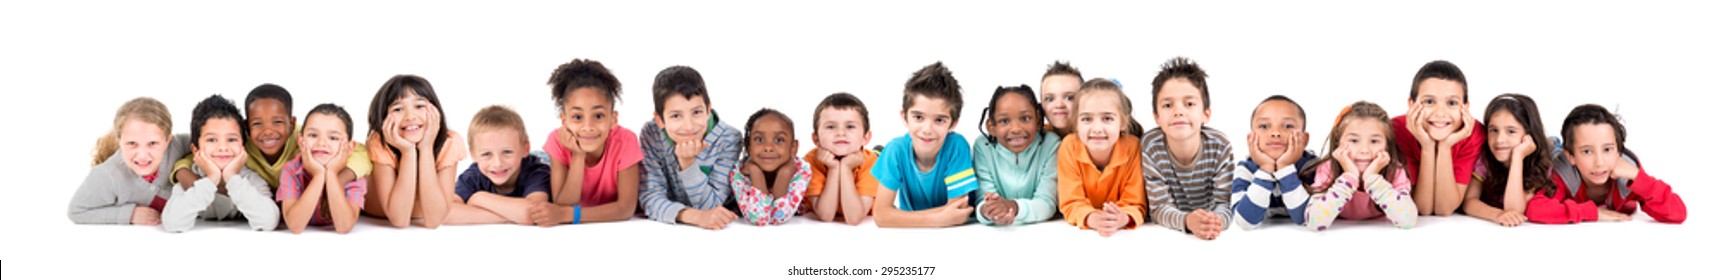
[(1267, 184)]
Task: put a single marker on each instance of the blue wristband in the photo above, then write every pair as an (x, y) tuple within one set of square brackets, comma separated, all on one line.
[(576, 219)]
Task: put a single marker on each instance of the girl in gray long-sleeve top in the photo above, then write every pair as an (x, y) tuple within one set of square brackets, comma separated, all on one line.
[(126, 184)]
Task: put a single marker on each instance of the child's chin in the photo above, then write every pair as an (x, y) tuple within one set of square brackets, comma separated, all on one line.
[(143, 169)]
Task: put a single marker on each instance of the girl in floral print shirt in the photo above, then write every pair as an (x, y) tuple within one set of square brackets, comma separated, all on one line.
[(770, 183)]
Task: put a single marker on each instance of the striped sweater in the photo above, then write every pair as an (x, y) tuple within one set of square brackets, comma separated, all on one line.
[(1175, 189), (704, 185)]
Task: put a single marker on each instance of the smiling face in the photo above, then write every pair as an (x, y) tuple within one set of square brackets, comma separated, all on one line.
[(1179, 110), (841, 131), (590, 114), (498, 152), (928, 121), (1100, 123), (1014, 122), (323, 135), (220, 141), (142, 145), (413, 111), (1505, 133), (684, 118), (270, 124), (1058, 97), (1446, 99), (1275, 124), (1365, 138), (771, 143), (1594, 152)]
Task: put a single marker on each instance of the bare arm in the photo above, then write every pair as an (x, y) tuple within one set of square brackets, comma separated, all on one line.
[(298, 212), (849, 198), (889, 216), (399, 190), (1448, 193), (1474, 205), (1424, 193), (342, 211), (825, 205), (435, 188), (1513, 199), (566, 179), (627, 199)]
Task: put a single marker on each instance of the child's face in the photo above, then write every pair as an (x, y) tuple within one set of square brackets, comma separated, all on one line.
[(414, 113), (1446, 99), (1099, 121), (1594, 152), (1180, 111), (1057, 97), (270, 124), (684, 118), (1505, 133), (323, 135), (841, 131), (590, 115), (1365, 139), (142, 145), (1013, 122), (1276, 123), (221, 141), (771, 143), (498, 154), (928, 120)]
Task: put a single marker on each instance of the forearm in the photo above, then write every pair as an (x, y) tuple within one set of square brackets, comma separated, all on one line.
[(298, 212), (896, 218), (703, 190), (1448, 194), (1033, 210), (621, 210), (1424, 193), (830, 197), (568, 182), (849, 198), (185, 177), (780, 186), (1476, 208), (512, 209), (346, 176), (399, 204), (1513, 198), (464, 214), (432, 197), (342, 210)]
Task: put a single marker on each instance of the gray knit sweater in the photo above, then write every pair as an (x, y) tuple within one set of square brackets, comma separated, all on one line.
[(111, 191)]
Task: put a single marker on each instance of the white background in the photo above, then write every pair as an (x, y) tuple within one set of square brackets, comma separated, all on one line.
[(67, 65)]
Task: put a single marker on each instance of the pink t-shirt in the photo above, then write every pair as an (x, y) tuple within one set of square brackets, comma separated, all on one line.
[(621, 150)]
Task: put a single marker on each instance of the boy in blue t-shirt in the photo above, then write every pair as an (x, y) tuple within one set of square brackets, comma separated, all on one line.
[(927, 176)]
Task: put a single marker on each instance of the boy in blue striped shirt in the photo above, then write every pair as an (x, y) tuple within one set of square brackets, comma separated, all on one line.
[(1267, 184), (927, 177), (687, 153)]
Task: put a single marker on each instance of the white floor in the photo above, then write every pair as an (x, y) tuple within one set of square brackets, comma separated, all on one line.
[(1437, 247)]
